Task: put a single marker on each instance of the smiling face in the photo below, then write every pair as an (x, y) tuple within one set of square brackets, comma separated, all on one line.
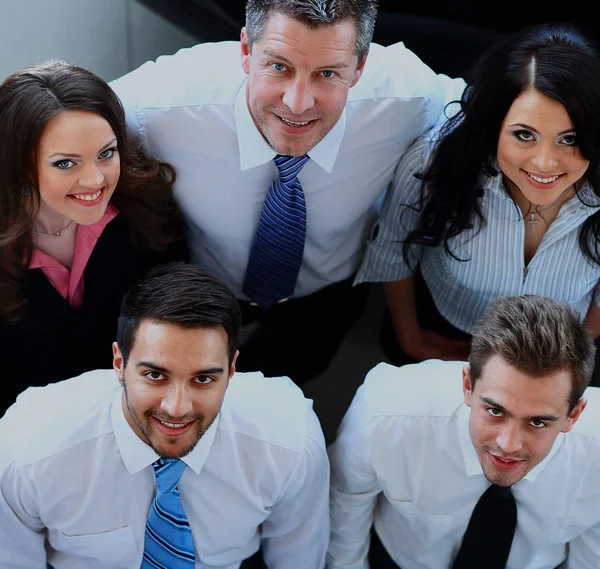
[(515, 418), (78, 168), (174, 383), (298, 80), (537, 148)]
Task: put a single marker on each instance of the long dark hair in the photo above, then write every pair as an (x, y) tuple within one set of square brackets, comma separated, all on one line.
[(28, 100), (557, 60)]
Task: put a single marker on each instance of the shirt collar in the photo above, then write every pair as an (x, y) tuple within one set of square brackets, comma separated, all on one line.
[(255, 151), (137, 455), (40, 260), (471, 460)]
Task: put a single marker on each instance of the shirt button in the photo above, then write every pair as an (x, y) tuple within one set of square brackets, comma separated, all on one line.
[(254, 304)]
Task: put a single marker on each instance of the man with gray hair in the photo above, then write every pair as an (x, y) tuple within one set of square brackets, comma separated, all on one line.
[(282, 154), (504, 475)]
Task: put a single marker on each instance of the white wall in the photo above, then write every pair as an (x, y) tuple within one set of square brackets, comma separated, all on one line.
[(108, 37)]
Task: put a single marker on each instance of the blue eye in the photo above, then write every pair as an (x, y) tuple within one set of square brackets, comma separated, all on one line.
[(63, 164), (108, 153), (278, 66), (327, 73)]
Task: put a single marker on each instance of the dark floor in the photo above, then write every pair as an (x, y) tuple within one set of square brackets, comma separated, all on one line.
[(333, 390)]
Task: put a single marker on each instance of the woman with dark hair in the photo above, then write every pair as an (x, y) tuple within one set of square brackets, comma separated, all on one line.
[(84, 215), (503, 200)]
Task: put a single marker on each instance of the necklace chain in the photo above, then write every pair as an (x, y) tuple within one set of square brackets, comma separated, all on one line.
[(54, 233), (532, 221)]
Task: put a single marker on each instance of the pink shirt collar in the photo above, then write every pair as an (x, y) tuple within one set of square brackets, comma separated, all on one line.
[(69, 283)]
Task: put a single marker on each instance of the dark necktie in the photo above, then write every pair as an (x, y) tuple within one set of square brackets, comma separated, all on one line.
[(278, 246), (168, 542), (488, 539)]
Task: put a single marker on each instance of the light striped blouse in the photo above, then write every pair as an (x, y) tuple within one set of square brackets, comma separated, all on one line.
[(495, 263)]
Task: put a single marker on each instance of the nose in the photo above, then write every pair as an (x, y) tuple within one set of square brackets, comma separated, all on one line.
[(545, 159), (91, 177), (299, 96), (177, 402), (509, 439)]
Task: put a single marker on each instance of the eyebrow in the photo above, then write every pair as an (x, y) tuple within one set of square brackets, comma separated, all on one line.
[(68, 155), (272, 53), (492, 403), (526, 126), (162, 369)]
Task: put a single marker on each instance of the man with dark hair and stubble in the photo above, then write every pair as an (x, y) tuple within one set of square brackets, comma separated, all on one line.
[(283, 143), (175, 462), (504, 476)]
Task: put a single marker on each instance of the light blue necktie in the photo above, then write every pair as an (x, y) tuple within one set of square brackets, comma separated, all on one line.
[(168, 542), (278, 246)]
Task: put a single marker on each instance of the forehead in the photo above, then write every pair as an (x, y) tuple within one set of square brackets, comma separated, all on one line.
[(70, 129), (300, 43), (521, 394), (166, 342), (536, 109)]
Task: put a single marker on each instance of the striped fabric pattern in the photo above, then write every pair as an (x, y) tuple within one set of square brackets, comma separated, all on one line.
[(278, 246), (495, 264), (168, 543)]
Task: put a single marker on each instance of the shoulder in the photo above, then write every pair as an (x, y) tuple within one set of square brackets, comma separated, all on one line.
[(394, 72), (46, 420), (270, 409), (427, 389), (207, 73)]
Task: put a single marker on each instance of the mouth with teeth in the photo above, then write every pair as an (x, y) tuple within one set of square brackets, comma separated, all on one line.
[(295, 124), (172, 429), (88, 198), (542, 180)]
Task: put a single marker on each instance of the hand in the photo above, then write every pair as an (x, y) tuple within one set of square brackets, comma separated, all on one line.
[(427, 345)]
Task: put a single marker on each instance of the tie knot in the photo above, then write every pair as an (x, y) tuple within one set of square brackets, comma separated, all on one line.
[(168, 471), (289, 166)]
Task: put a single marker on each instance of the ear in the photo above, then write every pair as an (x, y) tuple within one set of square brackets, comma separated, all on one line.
[(359, 70), (232, 367), (118, 365), (575, 414), (467, 385), (245, 51)]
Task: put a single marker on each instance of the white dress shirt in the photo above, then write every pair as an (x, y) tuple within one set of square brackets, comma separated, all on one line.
[(404, 461), (76, 482), (495, 255), (190, 110)]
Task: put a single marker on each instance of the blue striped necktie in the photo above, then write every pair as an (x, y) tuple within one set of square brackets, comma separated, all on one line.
[(168, 542), (278, 246)]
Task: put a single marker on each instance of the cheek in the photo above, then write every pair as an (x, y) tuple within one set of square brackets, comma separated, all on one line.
[(53, 187), (577, 164), (209, 402), (114, 173), (509, 157)]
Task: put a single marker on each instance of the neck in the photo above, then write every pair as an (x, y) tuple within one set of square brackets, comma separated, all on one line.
[(51, 222), (526, 206)]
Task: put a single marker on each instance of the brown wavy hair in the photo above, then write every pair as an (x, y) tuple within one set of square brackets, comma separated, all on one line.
[(28, 100)]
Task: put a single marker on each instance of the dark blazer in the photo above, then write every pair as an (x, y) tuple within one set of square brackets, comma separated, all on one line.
[(54, 341)]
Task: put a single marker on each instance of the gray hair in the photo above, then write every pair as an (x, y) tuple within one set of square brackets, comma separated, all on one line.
[(314, 13), (537, 335)]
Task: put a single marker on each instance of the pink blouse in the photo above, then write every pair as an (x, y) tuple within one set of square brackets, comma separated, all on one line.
[(69, 283)]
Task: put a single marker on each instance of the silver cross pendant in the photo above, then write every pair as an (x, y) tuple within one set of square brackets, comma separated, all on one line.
[(532, 221)]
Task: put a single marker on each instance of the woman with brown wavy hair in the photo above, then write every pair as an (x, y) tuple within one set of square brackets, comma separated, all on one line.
[(84, 213)]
